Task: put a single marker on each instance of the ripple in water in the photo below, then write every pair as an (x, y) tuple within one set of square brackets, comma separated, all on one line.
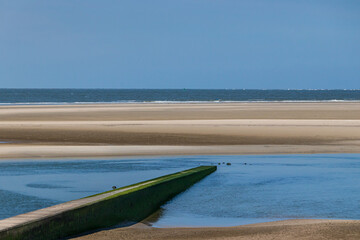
[(267, 188)]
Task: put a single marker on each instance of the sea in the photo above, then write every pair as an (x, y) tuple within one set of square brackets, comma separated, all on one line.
[(76, 96)]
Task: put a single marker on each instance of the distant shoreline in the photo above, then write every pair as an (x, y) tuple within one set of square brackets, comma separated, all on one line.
[(174, 102)]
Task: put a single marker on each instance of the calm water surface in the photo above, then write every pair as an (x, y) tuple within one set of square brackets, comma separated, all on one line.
[(266, 188)]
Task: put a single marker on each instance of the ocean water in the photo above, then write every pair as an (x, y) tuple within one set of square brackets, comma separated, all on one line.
[(252, 189), (61, 96)]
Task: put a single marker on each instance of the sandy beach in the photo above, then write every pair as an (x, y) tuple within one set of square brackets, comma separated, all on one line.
[(115, 130)]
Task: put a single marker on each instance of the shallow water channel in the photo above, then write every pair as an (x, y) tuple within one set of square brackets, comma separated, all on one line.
[(252, 189)]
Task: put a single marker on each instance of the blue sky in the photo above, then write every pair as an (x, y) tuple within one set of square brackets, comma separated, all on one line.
[(263, 44)]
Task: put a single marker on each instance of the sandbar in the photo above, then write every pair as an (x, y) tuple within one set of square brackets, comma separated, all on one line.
[(113, 130)]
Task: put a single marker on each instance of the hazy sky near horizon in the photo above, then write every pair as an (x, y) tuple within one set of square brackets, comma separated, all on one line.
[(259, 44)]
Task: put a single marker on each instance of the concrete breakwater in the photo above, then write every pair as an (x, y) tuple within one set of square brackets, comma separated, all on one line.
[(127, 204)]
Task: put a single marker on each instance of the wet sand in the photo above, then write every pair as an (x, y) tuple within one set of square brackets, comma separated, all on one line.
[(114, 130), (289, 229)]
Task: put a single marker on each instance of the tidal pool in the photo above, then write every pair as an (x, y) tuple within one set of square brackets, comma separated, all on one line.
[(252, 189)]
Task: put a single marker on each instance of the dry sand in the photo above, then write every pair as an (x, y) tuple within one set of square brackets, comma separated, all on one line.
[(113, 130)]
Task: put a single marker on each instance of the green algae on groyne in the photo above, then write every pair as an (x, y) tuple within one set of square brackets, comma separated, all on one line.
[(127, 204)]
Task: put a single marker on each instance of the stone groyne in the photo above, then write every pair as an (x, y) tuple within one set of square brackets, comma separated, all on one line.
[(123, 205)]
